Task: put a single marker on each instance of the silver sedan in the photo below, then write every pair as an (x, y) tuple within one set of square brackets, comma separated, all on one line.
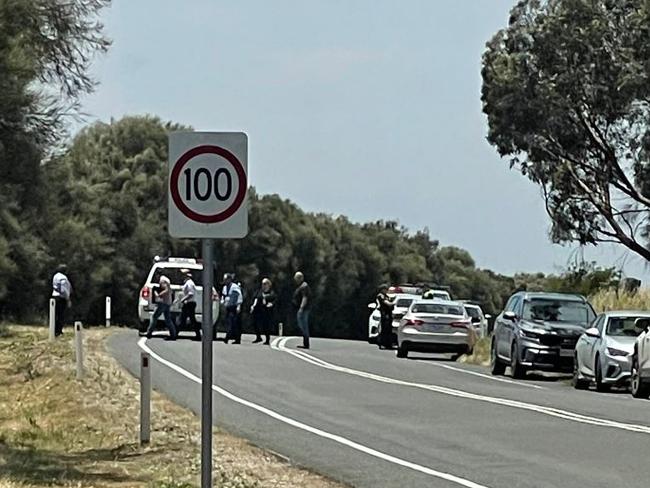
[(603, 353), (440, 326)]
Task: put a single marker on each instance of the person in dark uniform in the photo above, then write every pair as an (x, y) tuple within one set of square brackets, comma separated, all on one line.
[(385, 305), (262, 311)]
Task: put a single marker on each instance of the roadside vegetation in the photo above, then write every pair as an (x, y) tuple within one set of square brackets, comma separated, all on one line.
[(56, 431), (102, 193), (606, 300)]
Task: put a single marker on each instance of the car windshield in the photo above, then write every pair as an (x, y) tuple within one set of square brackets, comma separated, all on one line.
[(626, 326), (558, 311), (437, 308), (174, 274), (404, 302), (473, 312)]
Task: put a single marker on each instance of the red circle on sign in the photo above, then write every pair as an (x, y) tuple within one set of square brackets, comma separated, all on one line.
[(241, 190)]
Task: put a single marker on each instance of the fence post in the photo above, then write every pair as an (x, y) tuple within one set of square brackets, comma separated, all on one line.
[(280, 329), (145, 398), (108, 311), (78, 341), (52, 318)]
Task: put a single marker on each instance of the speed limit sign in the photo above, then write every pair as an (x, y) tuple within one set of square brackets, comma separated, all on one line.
[(208, 184)]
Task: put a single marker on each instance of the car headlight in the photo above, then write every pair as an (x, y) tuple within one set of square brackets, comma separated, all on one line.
[(612, 351), (529, 334)]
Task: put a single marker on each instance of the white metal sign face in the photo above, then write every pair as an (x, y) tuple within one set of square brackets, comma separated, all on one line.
[(208, 182)]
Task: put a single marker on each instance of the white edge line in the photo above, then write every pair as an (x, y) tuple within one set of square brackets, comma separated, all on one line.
[(550, 411), (313, 430), (482, 375)]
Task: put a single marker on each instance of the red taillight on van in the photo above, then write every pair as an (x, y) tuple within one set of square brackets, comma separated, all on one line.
[(414, 323), (145, 293)]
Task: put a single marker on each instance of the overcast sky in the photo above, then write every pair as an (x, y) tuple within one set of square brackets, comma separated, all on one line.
[(367, 108)]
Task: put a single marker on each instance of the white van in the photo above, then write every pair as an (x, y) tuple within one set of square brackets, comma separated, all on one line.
[(172, 268)]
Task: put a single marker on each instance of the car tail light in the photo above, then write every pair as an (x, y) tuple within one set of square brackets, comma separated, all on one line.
[(145, 293), (414, 322), (460, 325)]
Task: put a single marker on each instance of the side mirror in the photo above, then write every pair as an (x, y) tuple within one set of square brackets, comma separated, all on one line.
[(372, 306), (592, 332), (509, 315), (476, 320)]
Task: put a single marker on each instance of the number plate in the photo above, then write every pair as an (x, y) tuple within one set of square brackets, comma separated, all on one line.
[(432, 328)]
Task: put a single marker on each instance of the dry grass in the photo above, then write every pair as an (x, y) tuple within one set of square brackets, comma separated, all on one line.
[(56, 431), (481, 355), (612, 300)]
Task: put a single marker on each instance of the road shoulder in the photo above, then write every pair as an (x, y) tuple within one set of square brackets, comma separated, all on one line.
[(57, 431)]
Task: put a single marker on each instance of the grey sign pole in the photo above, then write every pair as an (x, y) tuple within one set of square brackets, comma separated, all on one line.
[(206, 365)]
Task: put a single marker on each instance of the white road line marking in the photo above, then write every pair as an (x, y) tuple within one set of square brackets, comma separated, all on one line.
[(482, 375), (550, 411), (142, 343), (275, 341)]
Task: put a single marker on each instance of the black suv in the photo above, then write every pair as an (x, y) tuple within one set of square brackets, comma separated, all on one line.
[(539, 331)]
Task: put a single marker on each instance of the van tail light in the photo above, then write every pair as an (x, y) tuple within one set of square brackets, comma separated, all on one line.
[(145, 293), (414, 323), (460, 325)]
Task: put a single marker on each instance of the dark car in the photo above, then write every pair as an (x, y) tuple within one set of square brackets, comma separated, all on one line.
[(539, 331)]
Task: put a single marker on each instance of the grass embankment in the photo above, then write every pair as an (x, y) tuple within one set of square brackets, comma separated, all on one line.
[(481, 355), (612, 300), (56, 431)]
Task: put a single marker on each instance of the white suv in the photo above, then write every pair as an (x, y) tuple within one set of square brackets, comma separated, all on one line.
[(640, 384), (172, 268)]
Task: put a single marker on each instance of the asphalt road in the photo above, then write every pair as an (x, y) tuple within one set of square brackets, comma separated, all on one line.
[(364, 417)]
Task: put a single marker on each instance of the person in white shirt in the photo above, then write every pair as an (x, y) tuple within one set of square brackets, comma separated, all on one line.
[(188, 305), (61, 292), (232, 299)]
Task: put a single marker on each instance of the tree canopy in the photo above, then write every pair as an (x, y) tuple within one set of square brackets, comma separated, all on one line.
[(99, 203), (566, 89), (45, 50)]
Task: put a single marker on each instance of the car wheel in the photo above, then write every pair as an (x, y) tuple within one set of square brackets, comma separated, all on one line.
[(372, 340), (496, 366), (578, 383), (640, 389), (402, 351), (516, 369), (600, 386)]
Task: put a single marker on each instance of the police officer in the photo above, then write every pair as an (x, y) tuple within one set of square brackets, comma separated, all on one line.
[(232, 299), (385, 306), (262, 311)]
